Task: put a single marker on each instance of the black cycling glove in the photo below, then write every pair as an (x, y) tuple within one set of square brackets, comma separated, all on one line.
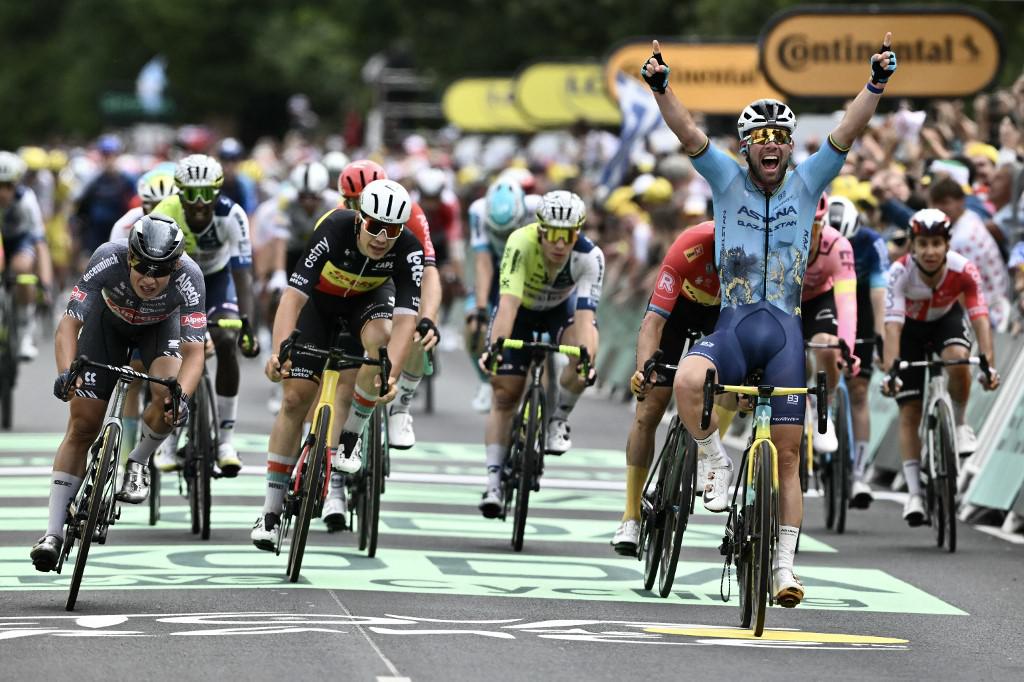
[(657, 81)]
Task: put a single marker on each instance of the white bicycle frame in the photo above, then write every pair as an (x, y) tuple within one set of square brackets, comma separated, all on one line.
[(936, 390)]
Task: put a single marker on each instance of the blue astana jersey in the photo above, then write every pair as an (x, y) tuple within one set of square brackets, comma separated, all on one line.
[(870, 258)]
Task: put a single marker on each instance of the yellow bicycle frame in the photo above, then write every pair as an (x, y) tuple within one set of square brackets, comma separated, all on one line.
[(328, 389)]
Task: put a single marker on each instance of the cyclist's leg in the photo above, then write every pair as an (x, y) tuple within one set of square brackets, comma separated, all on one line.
[(222, 303), (957, 338), (860, 412), (914, 345), (21, 261), (132, 407), (640, 446), (820, 325), (574, 330)]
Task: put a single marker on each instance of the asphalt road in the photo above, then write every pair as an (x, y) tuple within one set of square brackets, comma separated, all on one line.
[(447, 599)]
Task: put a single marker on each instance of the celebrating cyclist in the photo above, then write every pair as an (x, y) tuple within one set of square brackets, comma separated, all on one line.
[(217, 236), (763, 219), (829, 307), (684, 305), (924, 315), (551, 277), (364, 267), (136, 293), (870, 263), (492, 218)]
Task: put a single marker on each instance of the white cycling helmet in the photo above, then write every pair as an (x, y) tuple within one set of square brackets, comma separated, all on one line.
[(11, 167), (505, 206), (843, 216), (386, 201), (199, 170), (431, 181), (562, 208), (335, 162), (764, 113), (310, 178), (157, 184)]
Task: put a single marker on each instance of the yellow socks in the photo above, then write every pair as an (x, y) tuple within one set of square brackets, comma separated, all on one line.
[(635, 479)]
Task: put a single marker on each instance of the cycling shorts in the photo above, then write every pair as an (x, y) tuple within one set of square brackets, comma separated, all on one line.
[(321, 316), (919, 340), (689, 321), (553, 322), (22, 243), (108, 339), (865, 350), (819, 315), (221, 297), (759, 336)]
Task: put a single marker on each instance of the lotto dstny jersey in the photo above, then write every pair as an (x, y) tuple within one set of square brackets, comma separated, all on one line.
[(225, 239), (762, 241), (525, 275), (106, 282), (482, 237)]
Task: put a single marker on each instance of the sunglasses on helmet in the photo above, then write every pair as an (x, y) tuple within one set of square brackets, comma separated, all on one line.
[(199, 195), (766, 135), (554, 234), (148, 269), (375, 228)]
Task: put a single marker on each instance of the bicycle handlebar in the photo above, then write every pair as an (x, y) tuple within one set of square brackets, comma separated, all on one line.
[(898, 366), (291, 343), (844, 350), (652, 365), (519, 344), (79, 364), (711, 389)]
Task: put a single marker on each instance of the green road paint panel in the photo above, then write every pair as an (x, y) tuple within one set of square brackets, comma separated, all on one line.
[(486, 575), (466, 526)]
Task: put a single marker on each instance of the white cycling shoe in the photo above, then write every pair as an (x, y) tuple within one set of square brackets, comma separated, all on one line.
[(559, 440), (627, 537), (491, 503), (861, 496), (966, 441), (717, 487), (787, 588), (913, 510), (400, 433), (27, 351), (826, 442), (264, 532), (350, 463), (167, 458), (482, 399), (227, 460), (335, 514)]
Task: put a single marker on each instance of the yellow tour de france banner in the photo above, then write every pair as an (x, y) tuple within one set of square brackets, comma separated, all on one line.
[(713, 78), (824, 52), (562, 93), (484, 105)]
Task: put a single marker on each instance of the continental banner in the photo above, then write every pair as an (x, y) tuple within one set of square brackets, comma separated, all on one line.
[(563, 93), (825, 51), (714, 78), (484, 105)]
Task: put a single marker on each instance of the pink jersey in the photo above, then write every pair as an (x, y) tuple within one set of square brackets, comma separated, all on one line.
[(832, 269), (909, 296)]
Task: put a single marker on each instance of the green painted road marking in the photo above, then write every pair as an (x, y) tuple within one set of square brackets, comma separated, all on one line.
[(469, 525), (418, 571)]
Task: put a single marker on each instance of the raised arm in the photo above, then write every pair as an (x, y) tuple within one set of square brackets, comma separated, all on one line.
[(863, 107), (677, 116)]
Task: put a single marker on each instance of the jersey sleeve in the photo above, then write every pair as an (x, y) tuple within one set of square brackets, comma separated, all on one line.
[(717, 167), (895, 293), (878, 263), (238, 235), (820, 168), (318, 251), (101, 270), (408, 275), (669, 284), (191, 288), (974, 298), (478, 227), (123, 227), (420, 227), (512, 278), (845, 292), (590, 278)]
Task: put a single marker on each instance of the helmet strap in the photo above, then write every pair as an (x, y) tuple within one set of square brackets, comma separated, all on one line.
[(928, 273)]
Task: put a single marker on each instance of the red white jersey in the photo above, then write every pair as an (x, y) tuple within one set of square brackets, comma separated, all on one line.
[(908, 296), (688, 271)]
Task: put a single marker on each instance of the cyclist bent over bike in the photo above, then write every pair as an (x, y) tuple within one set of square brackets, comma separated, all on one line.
[(763, 221)]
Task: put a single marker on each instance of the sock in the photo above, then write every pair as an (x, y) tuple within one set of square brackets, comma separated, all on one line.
[(566, 401), (959, 412), (787, 547), (912, 472), (635, 479), (128, 435), (306, 428), (147, 445), (407, 384), (63, 488), (860, 463), (227, 410), (725, 417), (495, 461), (27, 320), (279, 472), (713, 450), (362, 406), (337, 487)]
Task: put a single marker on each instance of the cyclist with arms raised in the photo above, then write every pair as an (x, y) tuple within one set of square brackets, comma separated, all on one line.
[(763, 219), (924, 315)]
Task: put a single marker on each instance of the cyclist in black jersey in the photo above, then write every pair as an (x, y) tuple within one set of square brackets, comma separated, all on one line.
[(363, 267), (142, 293)]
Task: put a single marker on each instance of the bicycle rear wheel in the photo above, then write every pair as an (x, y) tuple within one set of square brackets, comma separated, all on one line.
[(533, 446), (841, 468), (310, 489), (677, 514), (945, 465), (761, 571), (97, 494), (374, 478), (206, 448), (8, 360)]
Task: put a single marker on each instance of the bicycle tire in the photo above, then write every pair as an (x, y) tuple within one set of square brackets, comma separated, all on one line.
[(678, 514), (95, 490), (154, 487), (652, 523), (531, 452), (206, 405), (375, 478), (947, 471), (742, 554), (841, 459), (763, 530), (193, 462), (310, 487), (8, 362), (828, 493)]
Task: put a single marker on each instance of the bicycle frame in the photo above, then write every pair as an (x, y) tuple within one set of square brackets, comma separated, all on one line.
[(936, 390)]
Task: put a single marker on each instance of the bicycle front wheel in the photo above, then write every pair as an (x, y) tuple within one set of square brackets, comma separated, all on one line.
[(677, 514), (761, 570), (374, 479), (944, 478), (206, 446), (97, 494), (311, 484), (652, 534), (841, 467), (528, 463)]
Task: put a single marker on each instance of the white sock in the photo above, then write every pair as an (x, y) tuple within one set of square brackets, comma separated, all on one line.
[(407, 385), (306, 428), (860, 463), (959, 412), (28, 320), (227, 410), (149, 440), (495, 460), (63, 488), (713, 450), (912, 472), (566, 401), (279, 471), (787, 547), (337, 487)]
